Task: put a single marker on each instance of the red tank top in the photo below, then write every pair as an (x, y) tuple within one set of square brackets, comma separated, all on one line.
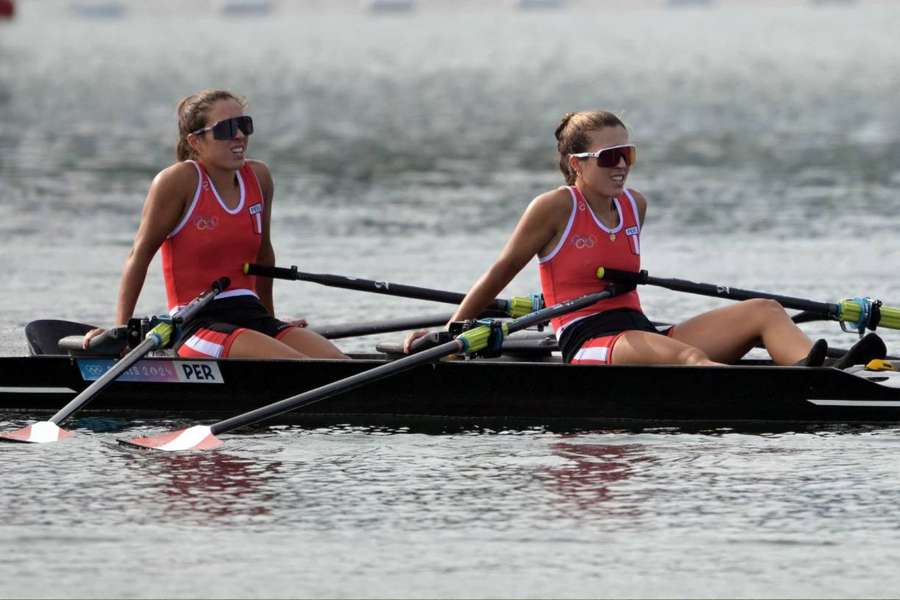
[(569, 271), (212, 241)]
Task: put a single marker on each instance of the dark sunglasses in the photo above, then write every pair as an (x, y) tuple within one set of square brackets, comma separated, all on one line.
[(227, 129), (608, 158)]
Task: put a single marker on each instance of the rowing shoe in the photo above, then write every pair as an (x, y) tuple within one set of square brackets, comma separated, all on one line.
[(160, 336)]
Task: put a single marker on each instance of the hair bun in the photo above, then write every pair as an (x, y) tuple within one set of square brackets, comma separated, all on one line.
[(562, 124)]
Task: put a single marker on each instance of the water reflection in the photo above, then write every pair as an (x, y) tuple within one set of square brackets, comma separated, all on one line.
[(207, 486), (587, 482)]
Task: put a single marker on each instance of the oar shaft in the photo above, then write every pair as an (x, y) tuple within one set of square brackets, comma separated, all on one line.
[(148, 345), (514, 307), (464, 343), (337, 387), (826, 310), (333, 332), (353, 283)]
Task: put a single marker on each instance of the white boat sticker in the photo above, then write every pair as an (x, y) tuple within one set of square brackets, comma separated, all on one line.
[(155, 371), (35, 390), (823, 402)]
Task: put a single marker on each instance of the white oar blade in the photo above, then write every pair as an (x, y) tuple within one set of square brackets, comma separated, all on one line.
[(199, 437), (42, 432)]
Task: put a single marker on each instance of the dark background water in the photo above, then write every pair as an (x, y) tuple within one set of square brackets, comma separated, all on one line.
[(404, 147)]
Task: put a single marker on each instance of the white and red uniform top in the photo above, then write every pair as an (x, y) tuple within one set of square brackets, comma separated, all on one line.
[(213, 241), (570, 270)]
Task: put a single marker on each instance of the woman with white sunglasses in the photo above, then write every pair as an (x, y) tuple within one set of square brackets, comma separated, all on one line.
[(593, 221), (210, 213)]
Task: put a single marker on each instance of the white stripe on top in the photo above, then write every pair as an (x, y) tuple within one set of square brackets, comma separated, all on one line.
[(565, 234)]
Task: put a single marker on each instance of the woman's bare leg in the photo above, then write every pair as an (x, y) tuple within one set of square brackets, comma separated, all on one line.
[(311, 344), (728, 333), (253, 344), (646, 348), (298, 343)]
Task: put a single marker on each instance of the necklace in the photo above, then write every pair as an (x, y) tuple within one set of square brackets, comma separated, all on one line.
[(612, 210)]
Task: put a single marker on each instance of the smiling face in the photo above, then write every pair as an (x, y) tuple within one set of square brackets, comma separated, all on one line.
[(603, 181), (222, 154)]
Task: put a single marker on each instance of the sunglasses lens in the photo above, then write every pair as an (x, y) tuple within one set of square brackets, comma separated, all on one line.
[(611, 158), (227, 129), (224, 130), (245, 124)]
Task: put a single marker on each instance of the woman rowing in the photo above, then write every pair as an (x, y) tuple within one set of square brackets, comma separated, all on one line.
[(596, 221), (210, 213)]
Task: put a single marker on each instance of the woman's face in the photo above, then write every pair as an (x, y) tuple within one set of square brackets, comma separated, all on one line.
[(224, 154), (608, 181)]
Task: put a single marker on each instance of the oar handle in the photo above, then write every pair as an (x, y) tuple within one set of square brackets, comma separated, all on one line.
[(291, 274), (189, 311)]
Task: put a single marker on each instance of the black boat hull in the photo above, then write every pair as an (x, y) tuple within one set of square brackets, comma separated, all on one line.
[(453, 394)]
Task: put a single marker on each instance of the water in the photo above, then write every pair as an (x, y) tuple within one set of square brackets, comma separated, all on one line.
[(404, 147)]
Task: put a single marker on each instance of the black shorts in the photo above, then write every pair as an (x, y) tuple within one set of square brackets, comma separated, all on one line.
[(607, 323), (211, 333)]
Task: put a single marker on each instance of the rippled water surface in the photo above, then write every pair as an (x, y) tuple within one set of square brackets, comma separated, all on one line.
[(404, 147)]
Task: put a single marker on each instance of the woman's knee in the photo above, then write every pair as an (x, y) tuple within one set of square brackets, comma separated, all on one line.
[(692, 355), (762, 311), (763, 306)]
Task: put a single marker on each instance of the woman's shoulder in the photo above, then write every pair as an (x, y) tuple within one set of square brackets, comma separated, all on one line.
[(263, 176), (641, 203), (259, 168), (555, 200), (180, 174), (638, 197)]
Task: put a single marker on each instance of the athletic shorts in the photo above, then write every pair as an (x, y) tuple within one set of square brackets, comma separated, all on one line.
[(212, 332), (600, 334)]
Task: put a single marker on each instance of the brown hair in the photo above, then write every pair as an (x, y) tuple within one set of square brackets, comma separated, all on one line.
[(192, 112), (572, 135)]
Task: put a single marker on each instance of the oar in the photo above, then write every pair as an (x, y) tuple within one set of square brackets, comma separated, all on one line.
[(857, 314), (333, 332), (514, 307), (201, 437), (158, 337)]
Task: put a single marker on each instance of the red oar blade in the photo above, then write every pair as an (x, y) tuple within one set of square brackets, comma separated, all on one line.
[(42, 432), (199, 437)]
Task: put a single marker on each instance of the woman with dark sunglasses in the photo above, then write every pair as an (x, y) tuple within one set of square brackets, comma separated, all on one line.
[(596, 221), (210, 213)]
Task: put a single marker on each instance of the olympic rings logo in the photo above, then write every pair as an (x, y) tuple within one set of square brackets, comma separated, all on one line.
[(206, 223), (582, 242)]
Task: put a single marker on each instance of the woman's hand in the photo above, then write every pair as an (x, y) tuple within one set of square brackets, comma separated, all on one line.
[(91, 335), (412, 337), (299, 323)]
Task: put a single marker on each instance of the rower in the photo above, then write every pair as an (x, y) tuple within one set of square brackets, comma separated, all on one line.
[(210, 214), (596, 220)]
